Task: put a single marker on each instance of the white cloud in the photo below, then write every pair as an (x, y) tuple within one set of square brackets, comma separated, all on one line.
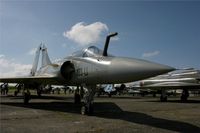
[(32, 51), (9, 68), (116, 38), (64, 45), (2, 56), (151, 54), (84, 34)]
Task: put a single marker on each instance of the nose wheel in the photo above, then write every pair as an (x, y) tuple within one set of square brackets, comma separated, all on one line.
[(77, 98), (87, 109)]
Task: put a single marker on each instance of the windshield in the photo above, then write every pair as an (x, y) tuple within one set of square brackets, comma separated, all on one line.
[(91, 51)]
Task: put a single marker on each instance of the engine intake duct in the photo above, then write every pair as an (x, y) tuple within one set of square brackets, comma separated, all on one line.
[(67, 69)]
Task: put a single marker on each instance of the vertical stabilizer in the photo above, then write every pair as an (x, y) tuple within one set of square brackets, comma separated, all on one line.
[(36, 59), (45, 57)]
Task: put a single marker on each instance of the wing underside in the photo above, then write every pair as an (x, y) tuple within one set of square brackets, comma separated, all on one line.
[(31, 80), (170, 85)]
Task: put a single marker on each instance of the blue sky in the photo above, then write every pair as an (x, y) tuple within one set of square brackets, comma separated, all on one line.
[(159, 31)]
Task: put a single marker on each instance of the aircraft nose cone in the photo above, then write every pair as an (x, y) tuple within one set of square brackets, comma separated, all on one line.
[(152, 68), (136, 69)]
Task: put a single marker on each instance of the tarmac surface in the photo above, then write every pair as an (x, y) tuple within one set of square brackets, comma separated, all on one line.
[(119, 114)]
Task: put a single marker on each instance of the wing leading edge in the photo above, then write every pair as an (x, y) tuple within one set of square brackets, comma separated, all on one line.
[(31, 80)]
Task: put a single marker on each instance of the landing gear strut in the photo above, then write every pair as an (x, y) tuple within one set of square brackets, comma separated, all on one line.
[(15, 93), (77, 96), (185, 95), (27, 97), (163, 97), (88, 98), (39, 92), (87, 109), (18, 89)]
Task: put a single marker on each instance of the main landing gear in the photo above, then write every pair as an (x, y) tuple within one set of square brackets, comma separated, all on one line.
[(185, 95), (27, 96), (26, 93), (77, 96), (88, 98), (39, 92), (163, 97), (18, 89)]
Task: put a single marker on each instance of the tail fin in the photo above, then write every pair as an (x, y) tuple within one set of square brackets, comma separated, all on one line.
[(36, 59), (45, 57)]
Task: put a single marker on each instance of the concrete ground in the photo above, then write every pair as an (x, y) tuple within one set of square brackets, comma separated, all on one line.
[(128, 114)]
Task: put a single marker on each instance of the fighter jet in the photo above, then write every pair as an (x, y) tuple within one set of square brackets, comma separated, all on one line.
[(110, 89), (180, 79), (87, 68)]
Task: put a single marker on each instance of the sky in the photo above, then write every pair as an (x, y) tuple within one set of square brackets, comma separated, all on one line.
[(163, 31)]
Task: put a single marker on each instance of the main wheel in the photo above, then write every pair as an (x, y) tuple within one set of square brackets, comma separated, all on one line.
[(163, 98), (77, 98), (39, 92), (185, 95), (91, 109), (15, 93), (183, 98), (26, 98), (84, 110)]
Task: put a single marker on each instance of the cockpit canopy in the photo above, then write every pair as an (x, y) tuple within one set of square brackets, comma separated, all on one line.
[(91, 51)]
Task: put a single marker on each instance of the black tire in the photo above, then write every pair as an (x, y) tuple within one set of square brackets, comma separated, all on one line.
[(183, 98), (39, 92), (84, 110), (185, 95), (91, 109), (163, 99), (26, 98), (87, 110), (15, 93), (77, 98)]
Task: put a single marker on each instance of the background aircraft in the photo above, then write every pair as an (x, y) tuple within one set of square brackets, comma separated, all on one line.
[(188, 79), (86, 68), (110, 89)]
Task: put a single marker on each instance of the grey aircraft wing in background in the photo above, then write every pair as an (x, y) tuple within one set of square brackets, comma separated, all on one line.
[(88, 67), (180, 79)]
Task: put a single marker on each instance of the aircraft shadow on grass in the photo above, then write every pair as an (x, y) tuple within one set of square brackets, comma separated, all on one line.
[(110, 110), (42, 97)]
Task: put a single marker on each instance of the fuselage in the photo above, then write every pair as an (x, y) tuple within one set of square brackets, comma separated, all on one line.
[(104, 70), (175, 79)]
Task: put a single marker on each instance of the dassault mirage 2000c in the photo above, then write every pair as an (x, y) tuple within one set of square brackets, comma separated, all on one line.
[(87, 68)]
